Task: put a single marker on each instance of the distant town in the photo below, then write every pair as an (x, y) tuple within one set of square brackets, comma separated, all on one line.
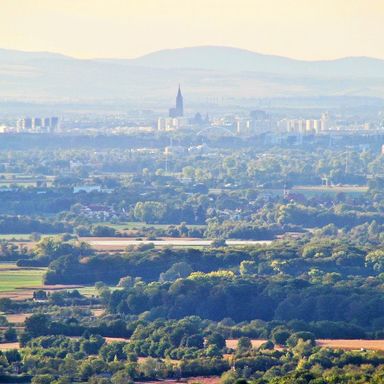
[(298, 122)]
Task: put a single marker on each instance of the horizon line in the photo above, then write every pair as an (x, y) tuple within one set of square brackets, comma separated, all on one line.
[(189, 47)]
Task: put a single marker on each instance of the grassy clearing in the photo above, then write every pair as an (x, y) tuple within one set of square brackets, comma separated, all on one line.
[(24, 237), (16, 237), (7, 265), (13, 278), (87, 291), (22, 281)]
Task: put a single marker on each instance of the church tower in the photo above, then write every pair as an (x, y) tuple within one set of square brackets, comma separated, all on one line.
[(179, 103), (178, 111)]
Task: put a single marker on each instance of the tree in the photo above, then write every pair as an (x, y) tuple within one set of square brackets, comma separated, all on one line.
[(37, 325), (150, 211), (188, 172), (229, 377), (122, 377), (267, 345), (62, 380), (69, 366), (10, 335), (375, 260), (126, 282), (5, 304), (280, 336), (92, 345), (195, 341), (35, 236), (244, 344), (178, 270), (113, 351), (103, 231), (42, 379), (3, 321), (293, 340), (152, 368), (248, 267), (99, 380), (91, 367), (12, 356), (216, 339), (216, 243), (213, 351)]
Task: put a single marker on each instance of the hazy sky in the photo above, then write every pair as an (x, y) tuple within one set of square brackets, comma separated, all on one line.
[(308, 29)]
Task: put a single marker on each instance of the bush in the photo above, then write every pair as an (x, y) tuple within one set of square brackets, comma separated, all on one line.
[(296, 337), (280, 336), (10, 335)]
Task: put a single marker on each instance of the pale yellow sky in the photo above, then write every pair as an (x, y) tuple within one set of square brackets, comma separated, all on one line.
[(307, 29)]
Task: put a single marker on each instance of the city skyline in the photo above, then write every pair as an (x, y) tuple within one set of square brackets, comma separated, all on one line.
[(298, 29)]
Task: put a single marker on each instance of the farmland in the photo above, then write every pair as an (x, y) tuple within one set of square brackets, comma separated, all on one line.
[(357, 344), (19, 283), (117, 243), (343, 344), (13, 278)]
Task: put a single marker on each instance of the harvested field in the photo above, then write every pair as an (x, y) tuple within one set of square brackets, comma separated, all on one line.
[(256, 343), (9, 346), (189, 380), (119, 243), (23, 293), (374, 345), (17, 318), (19, 295), (204, 380), (98, 312), (110, 340)]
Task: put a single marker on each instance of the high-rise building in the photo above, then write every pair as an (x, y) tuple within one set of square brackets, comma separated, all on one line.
[(54, 123), (171, 123), (178, 111), (326, 123), (38, 124)]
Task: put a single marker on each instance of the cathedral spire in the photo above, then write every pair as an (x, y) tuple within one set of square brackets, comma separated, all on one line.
[(178, 111), (179, 103)]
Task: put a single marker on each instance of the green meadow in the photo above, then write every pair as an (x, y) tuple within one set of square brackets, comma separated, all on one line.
[(13, 278)]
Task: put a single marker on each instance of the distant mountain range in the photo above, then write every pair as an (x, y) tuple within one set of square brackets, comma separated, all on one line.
[(207, 71), (235, 59)]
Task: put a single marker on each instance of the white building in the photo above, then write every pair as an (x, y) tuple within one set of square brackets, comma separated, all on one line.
[(306, 125), (171, 123), (38, 124), (87, 188)]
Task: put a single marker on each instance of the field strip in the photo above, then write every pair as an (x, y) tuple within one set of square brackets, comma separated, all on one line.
[(358, 344), (173, 242), (375, 345), (345, 344)]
